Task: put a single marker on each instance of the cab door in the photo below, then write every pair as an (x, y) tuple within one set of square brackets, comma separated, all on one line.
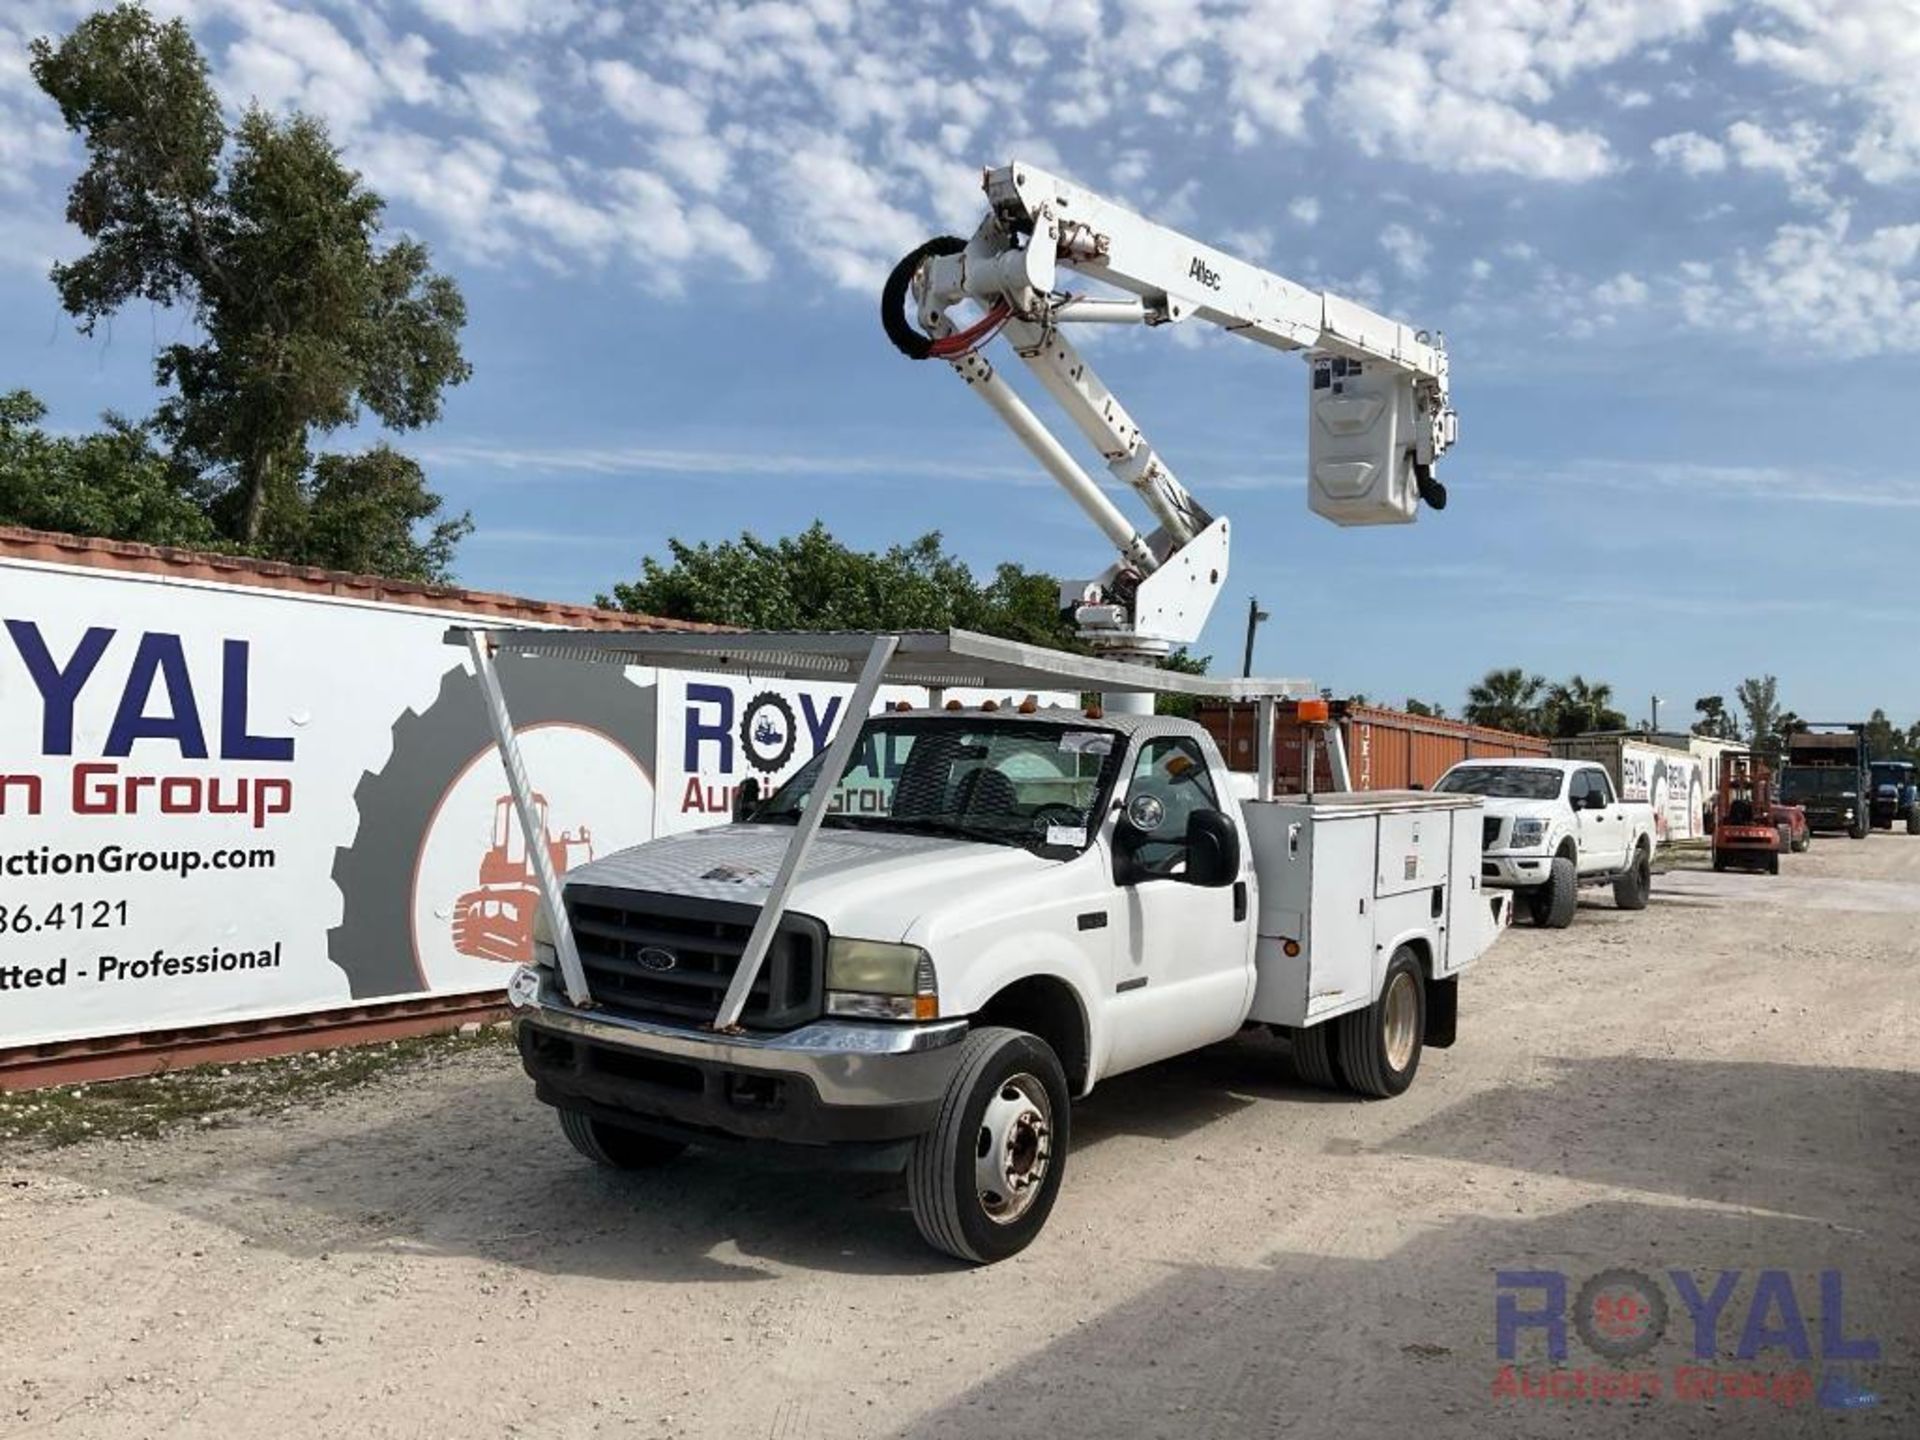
[(1183, 953), (1601, 819)]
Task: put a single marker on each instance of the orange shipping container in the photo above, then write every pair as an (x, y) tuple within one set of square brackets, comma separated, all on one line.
[(1386, 749)]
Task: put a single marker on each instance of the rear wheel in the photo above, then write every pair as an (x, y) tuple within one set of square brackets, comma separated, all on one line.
[(614, 1147), (1379, 1047), (1719, 860), (1913, 821), (983, 1180), (1631, 890), (1552, 905), (1316, 1055), (1773, 862), (1858, 829)]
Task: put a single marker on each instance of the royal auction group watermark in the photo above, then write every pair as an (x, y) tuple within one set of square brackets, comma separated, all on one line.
[(1766, 1337)]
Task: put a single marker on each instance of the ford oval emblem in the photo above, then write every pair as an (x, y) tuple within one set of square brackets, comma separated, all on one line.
[(654, 958)]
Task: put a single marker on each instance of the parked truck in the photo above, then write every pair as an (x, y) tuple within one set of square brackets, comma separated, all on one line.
[(1022, 903), (1826, 774), (1554, 827), (1896, 796), (1669, 778)]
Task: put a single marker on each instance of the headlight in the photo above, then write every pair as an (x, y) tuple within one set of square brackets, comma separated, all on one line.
[(543, 951), (1527, 834), (876, 980)]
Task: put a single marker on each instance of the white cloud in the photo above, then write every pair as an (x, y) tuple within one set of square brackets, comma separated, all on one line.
[(636, 96), (1622, 292), (501, 17), (1692, 152), (1793, 154), (1406, 249), (1304, 210), (1862, 52), (1815, 286)]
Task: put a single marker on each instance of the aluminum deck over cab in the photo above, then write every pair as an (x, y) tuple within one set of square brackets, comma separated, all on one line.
[(938, 660)]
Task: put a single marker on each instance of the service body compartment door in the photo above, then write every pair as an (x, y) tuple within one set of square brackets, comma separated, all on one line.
[(1315, 874), (1414, 848)]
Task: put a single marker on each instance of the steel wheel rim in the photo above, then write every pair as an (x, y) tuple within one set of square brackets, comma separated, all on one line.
[(1402, 1007), (1014, 1149)]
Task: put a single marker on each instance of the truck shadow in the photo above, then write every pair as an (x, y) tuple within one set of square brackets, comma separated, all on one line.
[(486, 1173), (1325, 1344)]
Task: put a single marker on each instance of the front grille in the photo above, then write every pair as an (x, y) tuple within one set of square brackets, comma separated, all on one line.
[(615, 929), (1489, 831)]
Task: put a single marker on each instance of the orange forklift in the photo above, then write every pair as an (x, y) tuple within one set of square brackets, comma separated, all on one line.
[(1745, 833)]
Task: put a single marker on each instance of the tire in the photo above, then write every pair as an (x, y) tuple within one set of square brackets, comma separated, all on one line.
[(1551, 905), (615, 1148), (1379, 1047), (1010, 1084), (1719, 861), (1913, 821), (1803, 844), (1316, 1055), (1773, 862), (1631, 890), (1859, 828)]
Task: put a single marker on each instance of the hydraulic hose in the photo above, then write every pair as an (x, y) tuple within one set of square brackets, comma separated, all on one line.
[(893, 296)]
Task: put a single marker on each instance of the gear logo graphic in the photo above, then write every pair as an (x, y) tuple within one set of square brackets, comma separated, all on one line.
[(769, 730), (373, 945)]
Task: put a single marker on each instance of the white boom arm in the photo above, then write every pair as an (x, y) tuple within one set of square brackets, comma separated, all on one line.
[(1379, 415)]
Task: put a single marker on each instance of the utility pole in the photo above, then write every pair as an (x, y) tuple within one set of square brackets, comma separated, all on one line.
[(1655, 727), (1254, 616)]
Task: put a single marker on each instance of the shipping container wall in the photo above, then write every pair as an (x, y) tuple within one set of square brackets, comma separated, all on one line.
[(1386, 749)]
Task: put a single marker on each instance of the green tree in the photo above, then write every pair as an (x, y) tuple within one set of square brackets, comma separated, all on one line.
[(1433, 709), (1759, 696), (1715, 722), (1575, 706), (1507, 700), (811, 581), (110, 483), (1183, 662), (270, 244)]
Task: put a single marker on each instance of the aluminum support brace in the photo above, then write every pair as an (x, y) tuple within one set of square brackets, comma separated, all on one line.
[(480, 648), (832, 767)]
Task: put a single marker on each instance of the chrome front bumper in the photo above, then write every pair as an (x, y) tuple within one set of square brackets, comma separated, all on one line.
[(848, 1064)]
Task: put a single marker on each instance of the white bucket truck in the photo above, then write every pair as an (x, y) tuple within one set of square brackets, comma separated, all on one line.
[(954, 921)]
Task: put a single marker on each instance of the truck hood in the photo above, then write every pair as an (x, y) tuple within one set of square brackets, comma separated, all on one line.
[(1512, 805), (870, 884)]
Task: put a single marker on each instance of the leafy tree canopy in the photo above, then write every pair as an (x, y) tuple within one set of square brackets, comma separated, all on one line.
[(303, 321)]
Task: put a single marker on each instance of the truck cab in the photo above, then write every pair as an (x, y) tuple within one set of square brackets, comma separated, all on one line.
[(1826, 775), (1554, 826)]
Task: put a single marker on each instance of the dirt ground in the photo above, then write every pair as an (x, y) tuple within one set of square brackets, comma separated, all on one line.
[(1726, 1082)]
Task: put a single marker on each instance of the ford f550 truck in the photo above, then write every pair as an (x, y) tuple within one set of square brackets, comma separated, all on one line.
[(953, 922)]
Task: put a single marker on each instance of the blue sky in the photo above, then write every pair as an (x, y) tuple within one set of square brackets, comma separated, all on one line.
[(1674, 246)]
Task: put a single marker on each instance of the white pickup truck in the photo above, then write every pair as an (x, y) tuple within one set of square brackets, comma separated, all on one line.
[(1002, 907), (1554, 826)]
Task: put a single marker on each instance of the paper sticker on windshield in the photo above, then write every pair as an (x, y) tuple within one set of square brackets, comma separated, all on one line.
[(1072, 835), (734, 875), (1087, 742)]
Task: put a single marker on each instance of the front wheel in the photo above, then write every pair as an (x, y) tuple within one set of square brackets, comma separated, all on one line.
[(983, 1180), (1379, 1047), (614, 1147), (1858, 830), (1913, 821), (1631, 890), (1551, 905), (1773, 862)]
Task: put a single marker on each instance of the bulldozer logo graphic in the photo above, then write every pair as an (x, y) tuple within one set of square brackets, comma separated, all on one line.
[(436, 886), (494, 920), (768, 732)]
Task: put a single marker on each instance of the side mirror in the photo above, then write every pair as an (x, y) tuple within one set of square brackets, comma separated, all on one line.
[(746, 798), (1595, 801), (1416, 785), (1213, 850)]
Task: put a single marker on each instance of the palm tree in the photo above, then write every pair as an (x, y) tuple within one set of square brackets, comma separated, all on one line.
[(1575, 706), (1507, 700)]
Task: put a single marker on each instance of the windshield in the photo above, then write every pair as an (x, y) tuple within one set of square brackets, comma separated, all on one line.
[(1805, 783), (1501, 782), (1885, 774), (1006, 782)]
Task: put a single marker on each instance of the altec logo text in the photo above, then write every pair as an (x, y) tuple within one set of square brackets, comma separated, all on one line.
[(1621, 1315), (159, 702)]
